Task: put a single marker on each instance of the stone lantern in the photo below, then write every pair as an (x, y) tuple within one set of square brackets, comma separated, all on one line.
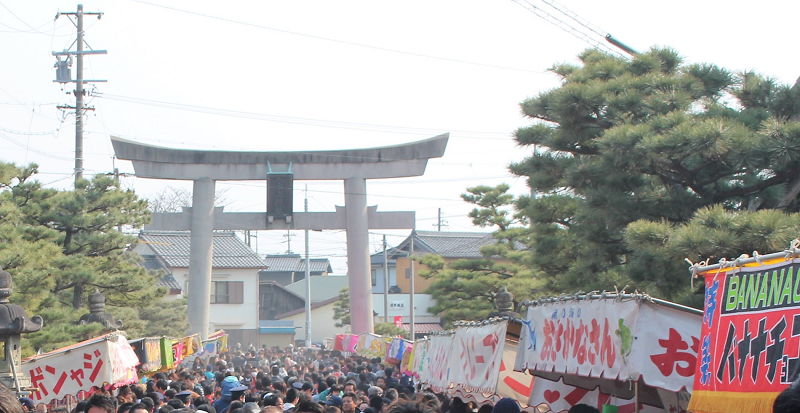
[(13, 322), (97, 313), (504, 303)]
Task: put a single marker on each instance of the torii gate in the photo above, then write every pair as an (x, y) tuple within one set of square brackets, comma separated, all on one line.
[(354, 166)]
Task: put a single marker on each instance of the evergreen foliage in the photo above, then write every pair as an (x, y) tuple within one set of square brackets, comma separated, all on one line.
[(636, 165), (61, 245), (341, 308)]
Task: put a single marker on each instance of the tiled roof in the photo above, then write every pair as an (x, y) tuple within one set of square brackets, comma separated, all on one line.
[(289, 263), (450, 244), (151, 263), (229, 251), (169, 282)]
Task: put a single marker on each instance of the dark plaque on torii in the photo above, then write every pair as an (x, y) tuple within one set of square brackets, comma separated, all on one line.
[(353, 166)]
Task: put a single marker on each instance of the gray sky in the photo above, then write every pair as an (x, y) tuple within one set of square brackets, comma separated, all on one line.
[(294, 75)]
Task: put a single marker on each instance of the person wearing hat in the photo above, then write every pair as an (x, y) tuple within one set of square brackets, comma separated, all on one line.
[(237, 395), (506, 405), (334, 401), (185, 398), (27, 404)]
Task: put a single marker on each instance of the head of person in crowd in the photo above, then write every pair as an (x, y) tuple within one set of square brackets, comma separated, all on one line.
[(125, 407), (788, 401), (583, 408), (251, 408), (332, 409), (506, 405), (167, 409), (169, 395), (161, 386), (100, 403), (271, 409), (156, 397), (391, 394), (349, 401), (140, 408), (309, 407), (206, 408), (27, 404), (307, 388), (147, 402), (175, 404), (291, 397), (350, 387), (486, 408), (410, 407), (380, 381)]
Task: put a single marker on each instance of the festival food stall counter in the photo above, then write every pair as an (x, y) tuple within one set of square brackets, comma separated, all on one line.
[(631, 351), (750, 345), (104, 360)]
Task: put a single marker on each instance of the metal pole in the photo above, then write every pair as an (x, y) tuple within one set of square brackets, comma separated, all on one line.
[(79, 100), (411, 297), (308, 284), (385, 283)]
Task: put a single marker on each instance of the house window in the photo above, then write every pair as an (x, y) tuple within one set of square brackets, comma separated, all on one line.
[(374, 277), (227, 292)]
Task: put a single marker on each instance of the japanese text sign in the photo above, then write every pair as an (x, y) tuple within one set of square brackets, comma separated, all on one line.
[(100, 361), (750, 341), (613, 339)]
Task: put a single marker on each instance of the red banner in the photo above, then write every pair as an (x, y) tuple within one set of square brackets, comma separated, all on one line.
[(750, 340)]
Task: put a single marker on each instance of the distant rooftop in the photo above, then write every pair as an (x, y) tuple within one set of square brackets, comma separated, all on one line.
[(296, 263), (172, 247), (448, 244)]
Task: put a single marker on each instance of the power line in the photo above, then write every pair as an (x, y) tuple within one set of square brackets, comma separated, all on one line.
[(28, 148), (548, 17), (299, 120), (327, 39)]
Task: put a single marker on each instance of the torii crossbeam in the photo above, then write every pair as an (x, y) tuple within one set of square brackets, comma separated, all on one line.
[(353, 166)]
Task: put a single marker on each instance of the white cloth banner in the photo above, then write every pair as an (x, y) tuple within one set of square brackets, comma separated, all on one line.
[(666, 345), (588, 338), (420, 365), (476, 357), (625, 340), (559, 397), (437, 363), (79, 367)]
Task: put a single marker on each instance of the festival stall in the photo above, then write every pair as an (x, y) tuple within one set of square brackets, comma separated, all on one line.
[(750, 346), (631, 351), (105, 360), (148, 351)]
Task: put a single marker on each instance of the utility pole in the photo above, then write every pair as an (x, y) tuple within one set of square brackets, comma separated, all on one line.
[(385, 283), (411, 297), (308, 284), (63, 76), (440, 223)]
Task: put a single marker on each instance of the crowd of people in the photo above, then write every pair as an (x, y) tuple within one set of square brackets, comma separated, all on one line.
[(288, 380)]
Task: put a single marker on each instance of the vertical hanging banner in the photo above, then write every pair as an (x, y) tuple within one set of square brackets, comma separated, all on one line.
[(476, 356), (750, 344), (108, 359), (419, 366), (437, 363)]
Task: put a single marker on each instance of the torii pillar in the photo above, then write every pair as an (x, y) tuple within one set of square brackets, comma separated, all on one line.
[(353, 166)]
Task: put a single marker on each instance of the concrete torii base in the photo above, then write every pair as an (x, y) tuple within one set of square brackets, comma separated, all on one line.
[(353, 166)]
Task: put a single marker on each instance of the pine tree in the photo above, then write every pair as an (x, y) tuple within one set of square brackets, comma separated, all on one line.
[(658, 143), (61, 245)]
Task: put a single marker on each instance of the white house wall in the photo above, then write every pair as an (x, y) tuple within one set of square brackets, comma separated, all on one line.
[(399, 304), (237, 316)]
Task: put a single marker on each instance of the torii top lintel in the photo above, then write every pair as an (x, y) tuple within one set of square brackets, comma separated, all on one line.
[(409, 159)]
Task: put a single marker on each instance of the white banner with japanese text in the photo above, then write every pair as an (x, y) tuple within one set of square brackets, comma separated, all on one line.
[(67, 371), (557, 397), (613, 339), (588, 338), (666, 344), (476, 356)]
